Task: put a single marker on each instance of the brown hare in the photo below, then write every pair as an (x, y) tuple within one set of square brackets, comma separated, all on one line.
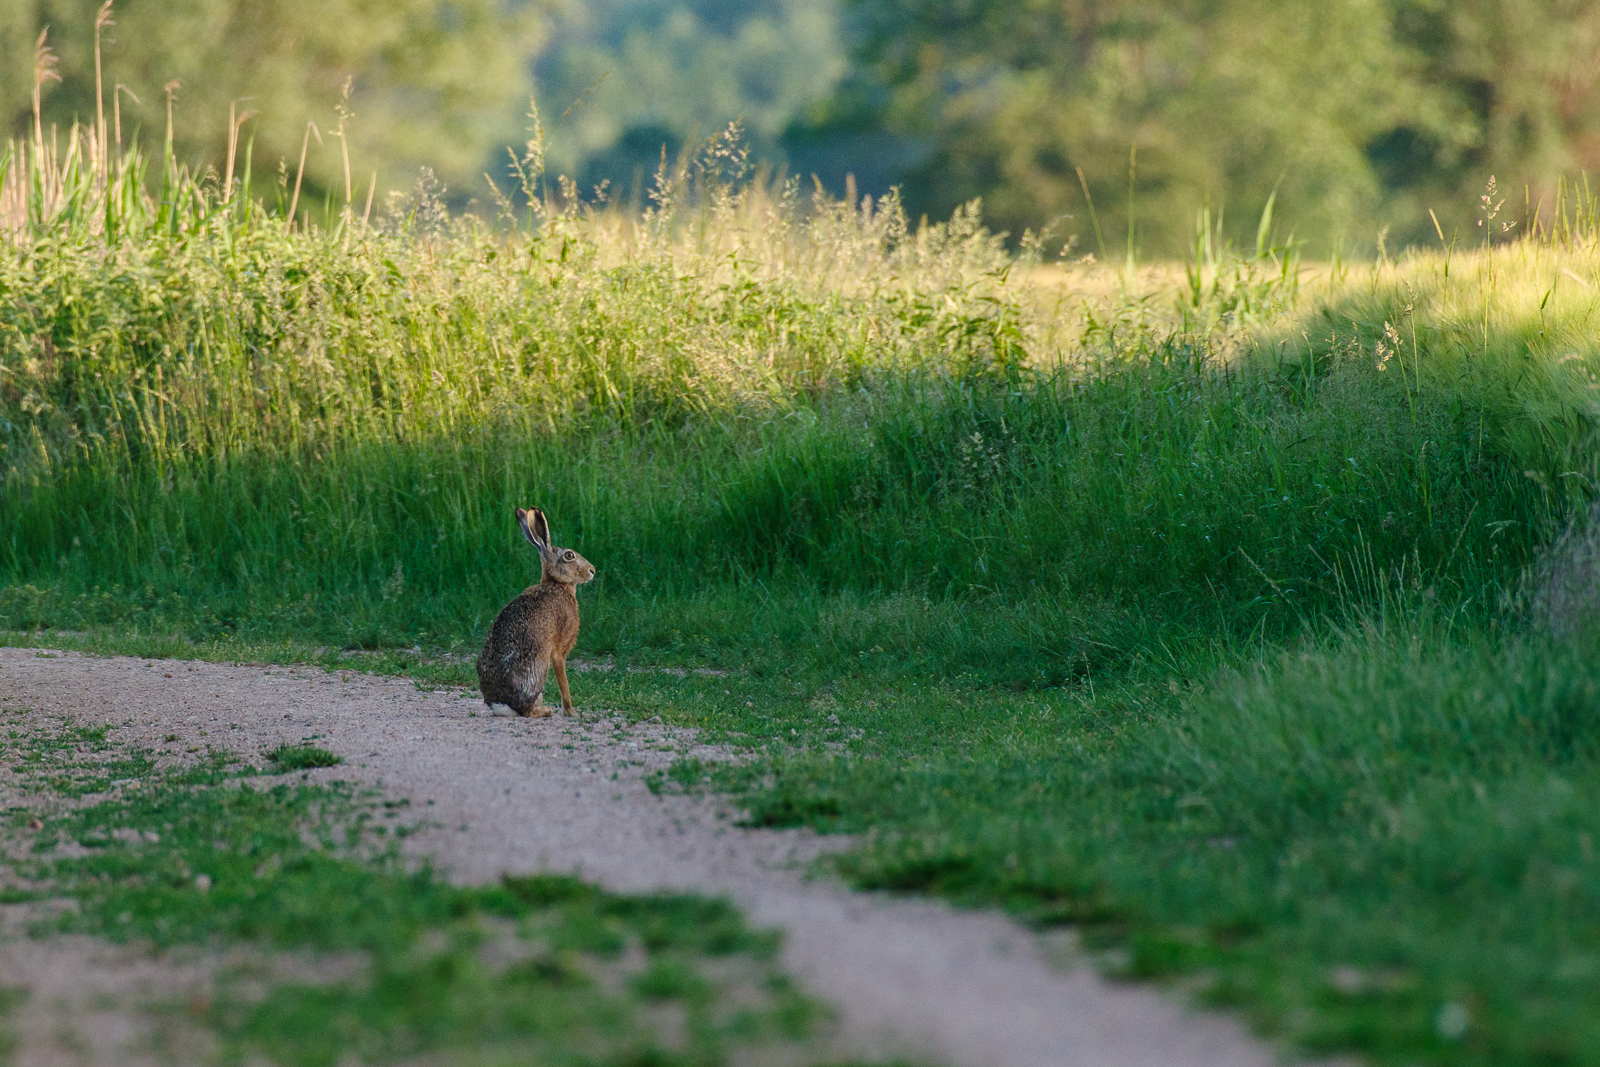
[(537, 630)]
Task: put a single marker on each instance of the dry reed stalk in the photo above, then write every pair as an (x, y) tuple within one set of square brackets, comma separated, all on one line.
[(233, 148), (171, 88), (372, 187), (344, 148), (305, 143), (234, 125), (44, 62), (14, 191), (116, 107), (102, 19), (343, 108)]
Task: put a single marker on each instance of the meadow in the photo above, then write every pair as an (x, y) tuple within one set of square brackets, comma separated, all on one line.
[(1234, 611)]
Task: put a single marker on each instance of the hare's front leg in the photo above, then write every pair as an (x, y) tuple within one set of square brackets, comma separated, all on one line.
[(560, 664)]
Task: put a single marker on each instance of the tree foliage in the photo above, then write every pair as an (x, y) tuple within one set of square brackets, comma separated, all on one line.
[(1362, 112), (1362, 115), (632, 76), (433, 82)]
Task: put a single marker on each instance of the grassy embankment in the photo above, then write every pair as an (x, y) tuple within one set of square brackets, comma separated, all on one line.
[(1194, 616)]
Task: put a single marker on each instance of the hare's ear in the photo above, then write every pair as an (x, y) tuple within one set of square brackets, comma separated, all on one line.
[(532, 522), (541, 527)]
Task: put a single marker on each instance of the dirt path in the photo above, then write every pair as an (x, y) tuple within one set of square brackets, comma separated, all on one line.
[(907, 977)]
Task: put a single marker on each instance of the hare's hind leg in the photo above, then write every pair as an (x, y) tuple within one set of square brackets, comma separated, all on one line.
[(560, 664), (533, 690)]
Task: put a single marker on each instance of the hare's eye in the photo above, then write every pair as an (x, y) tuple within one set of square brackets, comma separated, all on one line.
[(571, 554)]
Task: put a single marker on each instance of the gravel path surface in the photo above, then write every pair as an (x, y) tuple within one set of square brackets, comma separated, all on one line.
[(908, 977)]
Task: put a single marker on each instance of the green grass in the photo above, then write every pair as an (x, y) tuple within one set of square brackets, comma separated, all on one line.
[(1419, 816), (543, 966), (11, 998), (1196, 619), (302, 757), (996, 529), (72, 759)]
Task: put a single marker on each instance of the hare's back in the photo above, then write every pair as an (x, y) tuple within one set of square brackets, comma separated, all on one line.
[(541, 616)]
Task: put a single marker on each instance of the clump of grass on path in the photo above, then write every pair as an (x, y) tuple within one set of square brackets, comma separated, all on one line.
[(301, 757)]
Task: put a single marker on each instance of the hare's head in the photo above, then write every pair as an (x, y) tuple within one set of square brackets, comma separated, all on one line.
[(559, 564)]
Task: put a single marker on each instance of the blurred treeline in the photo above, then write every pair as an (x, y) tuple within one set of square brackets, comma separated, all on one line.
[(433, 82), (1369, 112), (1364, 115)]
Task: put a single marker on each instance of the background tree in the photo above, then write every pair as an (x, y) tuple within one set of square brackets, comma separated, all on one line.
[(1368, 112), (1362, 114), (645, 75), (433, 82), (1513, 88)]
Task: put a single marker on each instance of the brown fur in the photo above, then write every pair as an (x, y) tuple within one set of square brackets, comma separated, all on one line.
[(537, 630)]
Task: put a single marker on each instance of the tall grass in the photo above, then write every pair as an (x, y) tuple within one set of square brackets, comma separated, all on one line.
[(201, 405), (1507, 332)]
